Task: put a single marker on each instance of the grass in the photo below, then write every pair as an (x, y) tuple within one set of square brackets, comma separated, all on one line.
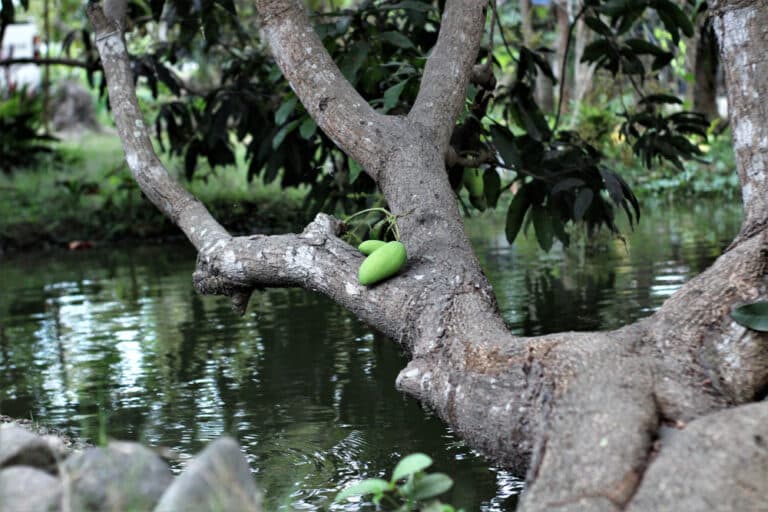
[(85, 192)]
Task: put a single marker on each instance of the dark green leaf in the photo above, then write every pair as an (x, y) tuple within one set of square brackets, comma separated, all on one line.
[(542, 223), (644, 47), (598, 26), (596, 50), (661, 98), (753, 316), (582, 203), (516, 214), (505, 143), (392, 95), (308, 128), (566, 184), (284, 131), (353, 61), (286, 109), (491, 187), (396, 39)]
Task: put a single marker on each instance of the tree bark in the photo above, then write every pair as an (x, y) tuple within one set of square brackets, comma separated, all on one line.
[(597, 421)]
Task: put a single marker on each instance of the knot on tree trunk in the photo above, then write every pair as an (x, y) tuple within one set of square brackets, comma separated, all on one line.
[(209, 280), (321, 228)]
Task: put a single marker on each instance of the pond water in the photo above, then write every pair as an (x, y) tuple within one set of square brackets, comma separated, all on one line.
[(115, 343)]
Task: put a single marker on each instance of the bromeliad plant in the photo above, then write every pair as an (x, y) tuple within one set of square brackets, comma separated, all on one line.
[(410, 488)]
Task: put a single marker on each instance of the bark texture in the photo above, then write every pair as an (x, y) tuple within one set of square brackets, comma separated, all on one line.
[(597, 421)]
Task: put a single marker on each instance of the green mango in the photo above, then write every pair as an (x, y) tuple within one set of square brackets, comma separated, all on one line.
[(473, 181), (369, 246), (381, 264)]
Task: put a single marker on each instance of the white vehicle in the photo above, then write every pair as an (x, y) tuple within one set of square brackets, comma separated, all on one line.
[(20, 41)]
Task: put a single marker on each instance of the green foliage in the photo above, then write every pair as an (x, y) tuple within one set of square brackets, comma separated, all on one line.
[(237, 97), (410, 487), (21, 144)]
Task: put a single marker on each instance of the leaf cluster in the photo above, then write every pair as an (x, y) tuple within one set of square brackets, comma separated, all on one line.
[(21, 143), (410, 488)]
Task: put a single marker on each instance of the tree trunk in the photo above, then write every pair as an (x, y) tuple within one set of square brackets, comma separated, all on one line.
[(544, 88), (583, 72), (560, 67), (653, 416), (702, 64)]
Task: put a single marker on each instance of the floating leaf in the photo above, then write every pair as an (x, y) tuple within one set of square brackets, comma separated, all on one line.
[(754, 316), (411, 464)]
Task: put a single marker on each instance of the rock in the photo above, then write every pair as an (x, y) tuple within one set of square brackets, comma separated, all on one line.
[(120, 476), (26, 489), (218, 479), (72, 109), (61, 442), (19, 447)]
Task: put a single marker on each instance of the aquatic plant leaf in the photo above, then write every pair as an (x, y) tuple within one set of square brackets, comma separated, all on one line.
[(411, 464), (430, 486), (367, 486)]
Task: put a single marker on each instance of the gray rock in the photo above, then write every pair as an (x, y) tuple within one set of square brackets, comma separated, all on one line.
[(219, 479), (73, 109), (19, 447), (26, 489), (120, 476)]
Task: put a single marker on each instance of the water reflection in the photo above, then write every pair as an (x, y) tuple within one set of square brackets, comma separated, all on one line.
[(117, 342)]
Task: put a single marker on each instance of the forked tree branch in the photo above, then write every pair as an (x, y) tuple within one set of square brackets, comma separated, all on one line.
[(339, 110), (446, 75)]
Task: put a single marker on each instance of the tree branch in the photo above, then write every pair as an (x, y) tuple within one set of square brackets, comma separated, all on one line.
[(51, 61), (446, 75), (153, 179), (330, 99)]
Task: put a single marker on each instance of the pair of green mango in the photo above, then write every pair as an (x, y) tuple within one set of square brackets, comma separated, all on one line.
[(384, 260)]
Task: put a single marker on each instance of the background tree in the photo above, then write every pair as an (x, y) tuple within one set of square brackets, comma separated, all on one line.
[(589, 416)]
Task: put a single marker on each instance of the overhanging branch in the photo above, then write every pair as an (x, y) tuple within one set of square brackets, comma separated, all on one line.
[(153, 179)]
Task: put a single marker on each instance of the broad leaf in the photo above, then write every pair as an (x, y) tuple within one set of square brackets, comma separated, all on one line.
[(392, 95), (430, 486), (283, 133), (505, 143), (582, 202), (368, 486), (516, 214), (491, 186), (396, 39), (308, 128), (411, 464), (542, 223), (754, 316), (286, 109)]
